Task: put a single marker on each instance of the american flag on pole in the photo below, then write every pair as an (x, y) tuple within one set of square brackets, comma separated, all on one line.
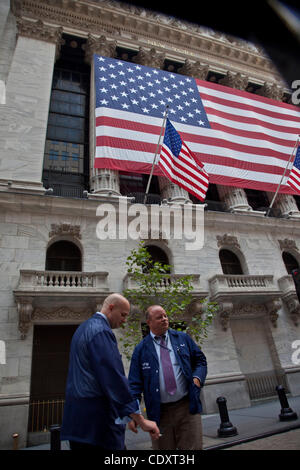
[(294, 176), (178, 163), (243, 139)]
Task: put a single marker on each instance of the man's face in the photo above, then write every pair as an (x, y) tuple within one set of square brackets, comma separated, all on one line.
[(158, 321), (118, 314)]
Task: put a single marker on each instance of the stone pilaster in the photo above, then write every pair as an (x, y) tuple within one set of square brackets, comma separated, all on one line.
[(235, 198), (24, 118), (103, 181)]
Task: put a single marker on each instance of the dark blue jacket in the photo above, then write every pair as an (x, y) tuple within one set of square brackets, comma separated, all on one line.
[(97, 391), (144, 371)]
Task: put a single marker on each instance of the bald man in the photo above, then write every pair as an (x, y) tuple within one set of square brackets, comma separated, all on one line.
[(98, 400)]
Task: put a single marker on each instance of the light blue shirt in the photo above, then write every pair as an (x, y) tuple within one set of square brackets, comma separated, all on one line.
[(181, 383)]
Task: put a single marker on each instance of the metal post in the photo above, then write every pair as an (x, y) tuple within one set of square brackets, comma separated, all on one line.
[(226, 428), (55, 437), (15, 441), (287, 414)]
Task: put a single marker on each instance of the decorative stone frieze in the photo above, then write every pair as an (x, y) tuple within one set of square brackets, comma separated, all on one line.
[(134, 24), (61, 314), (194, 69), (228, 240), (65, 229), (150, 58), (288, 244), (235, 80)]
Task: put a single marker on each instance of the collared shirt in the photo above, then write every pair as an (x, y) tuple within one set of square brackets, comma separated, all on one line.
[(181, 383)]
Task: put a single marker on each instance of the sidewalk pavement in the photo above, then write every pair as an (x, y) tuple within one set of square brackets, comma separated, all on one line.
[(259, 420)]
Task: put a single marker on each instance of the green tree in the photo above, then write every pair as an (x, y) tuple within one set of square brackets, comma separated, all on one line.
[(153, 284)]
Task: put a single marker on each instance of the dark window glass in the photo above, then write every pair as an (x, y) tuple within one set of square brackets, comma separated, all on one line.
[(230, 262), (63, 256), (290, 262)]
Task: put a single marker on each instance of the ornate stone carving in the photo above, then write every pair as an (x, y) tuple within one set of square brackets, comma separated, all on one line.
[(25, 309), (172, 192), (235, 80), (287, 244), (224, 313), (105, 182), (65, 229), (150, 58), (271, 90), (227, 240), (272, 308), (194, 69), (99, 46), (293, 306), (41, 31), (61, 313)]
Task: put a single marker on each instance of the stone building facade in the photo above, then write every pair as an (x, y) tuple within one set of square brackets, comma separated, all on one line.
[(55, 272)]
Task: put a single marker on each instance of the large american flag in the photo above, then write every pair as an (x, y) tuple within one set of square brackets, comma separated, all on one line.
[(178, 164), (242, 139), (294, 176)]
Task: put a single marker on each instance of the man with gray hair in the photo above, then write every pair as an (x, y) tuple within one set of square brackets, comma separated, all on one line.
[(169, 369), (98, 400)]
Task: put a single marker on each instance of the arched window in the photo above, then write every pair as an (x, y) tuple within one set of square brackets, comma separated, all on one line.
[(290, 262), (230, 262), (157, 254), (63, 256)]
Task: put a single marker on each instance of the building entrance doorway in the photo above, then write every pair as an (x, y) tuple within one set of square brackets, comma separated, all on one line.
[(50, 360), (257, 357)]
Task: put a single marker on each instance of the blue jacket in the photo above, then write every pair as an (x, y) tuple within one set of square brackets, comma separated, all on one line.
[(144, 372), (97, 391)]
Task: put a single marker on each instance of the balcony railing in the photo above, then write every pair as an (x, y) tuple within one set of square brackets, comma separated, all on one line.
[(130, 283), (242, 284), (62, 280)]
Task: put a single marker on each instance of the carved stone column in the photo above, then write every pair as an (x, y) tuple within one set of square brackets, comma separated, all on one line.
[(172, 192), (102, 180), (286, 204), (271, 90), (235, 80), (235, 198), (194, 69), (150, 58)]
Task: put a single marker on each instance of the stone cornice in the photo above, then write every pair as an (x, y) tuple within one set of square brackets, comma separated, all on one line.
[(135, 27)]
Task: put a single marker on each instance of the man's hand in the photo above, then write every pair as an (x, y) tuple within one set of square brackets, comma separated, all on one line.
[(145, 424), (132, 426), (197, 382)]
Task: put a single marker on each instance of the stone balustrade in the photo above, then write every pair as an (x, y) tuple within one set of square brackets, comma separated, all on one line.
[(49, 280), (221, 284)]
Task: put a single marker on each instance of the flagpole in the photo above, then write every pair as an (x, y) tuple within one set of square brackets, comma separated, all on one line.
[(274, 197), (156, 151)]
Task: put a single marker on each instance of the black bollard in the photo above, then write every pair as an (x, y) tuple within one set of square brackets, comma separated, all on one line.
[(287, 414), (55, 437), (226, 428)]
